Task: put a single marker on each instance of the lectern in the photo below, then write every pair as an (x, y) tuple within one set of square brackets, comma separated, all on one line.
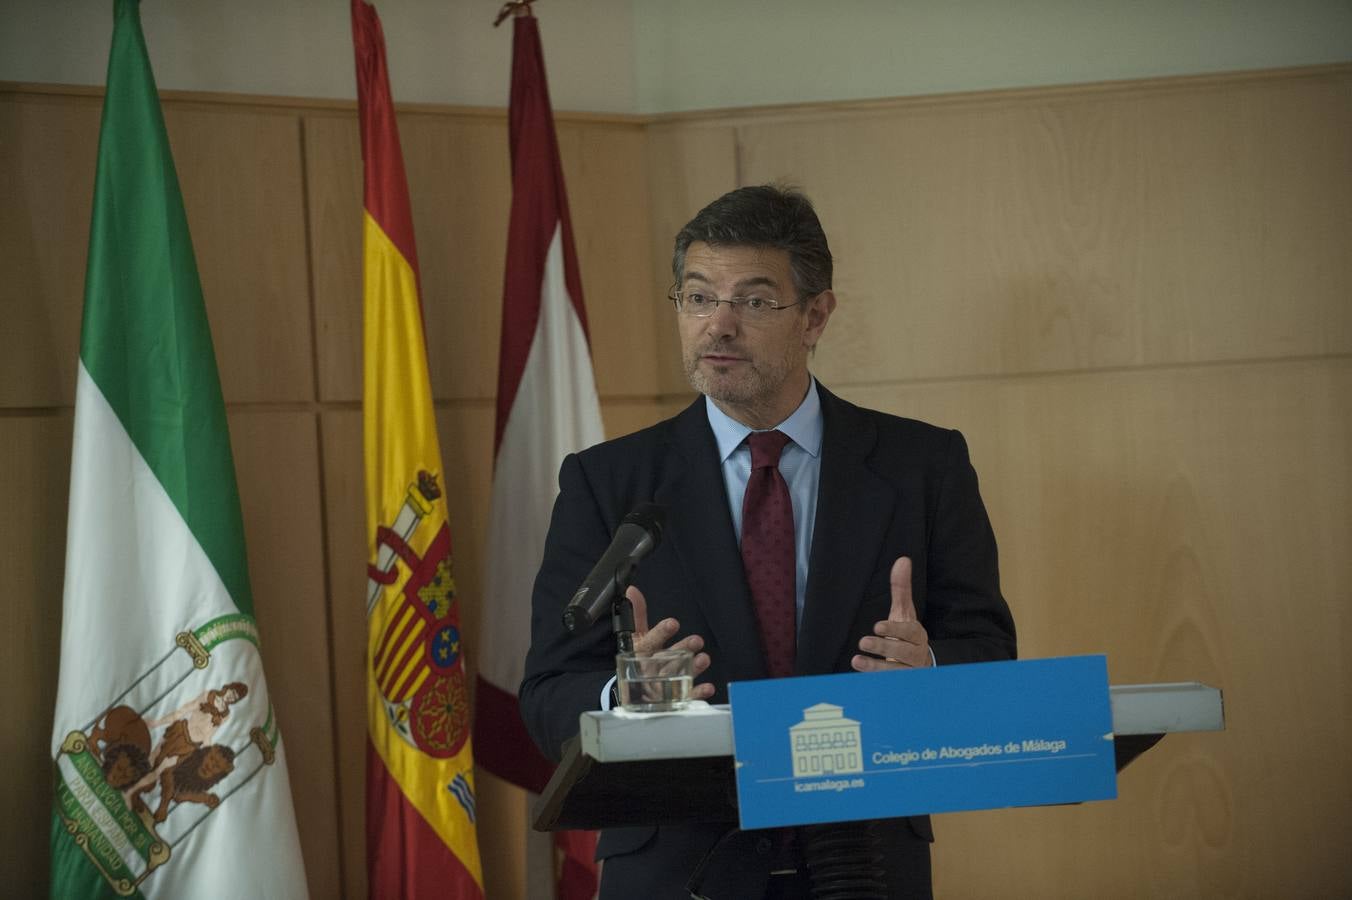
[(621, 769)]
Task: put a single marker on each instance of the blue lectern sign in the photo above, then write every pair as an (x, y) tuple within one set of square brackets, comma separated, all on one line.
[(833, 748)]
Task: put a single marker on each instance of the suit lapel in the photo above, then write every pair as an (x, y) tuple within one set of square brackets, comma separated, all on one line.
[(700, 531), (854, 506)]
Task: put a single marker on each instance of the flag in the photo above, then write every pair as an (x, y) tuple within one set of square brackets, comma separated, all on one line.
[(420, 810), (169, 769), (546, 408)]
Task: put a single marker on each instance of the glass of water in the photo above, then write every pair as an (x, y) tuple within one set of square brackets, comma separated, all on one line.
[(655, 682)]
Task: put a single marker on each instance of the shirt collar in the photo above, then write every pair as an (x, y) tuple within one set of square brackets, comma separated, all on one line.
[(803, 426)]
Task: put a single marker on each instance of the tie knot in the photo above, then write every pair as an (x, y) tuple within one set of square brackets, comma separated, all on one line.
[(766, 447)]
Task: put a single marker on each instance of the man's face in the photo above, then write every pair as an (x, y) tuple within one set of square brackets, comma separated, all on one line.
[(756, 372)]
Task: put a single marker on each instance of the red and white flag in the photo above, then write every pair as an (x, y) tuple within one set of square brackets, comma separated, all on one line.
[(547, 408)]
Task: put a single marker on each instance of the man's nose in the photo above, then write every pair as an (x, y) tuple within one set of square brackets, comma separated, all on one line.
[(724, 321)]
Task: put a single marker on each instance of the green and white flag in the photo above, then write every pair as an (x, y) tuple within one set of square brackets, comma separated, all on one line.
[(169, 772)]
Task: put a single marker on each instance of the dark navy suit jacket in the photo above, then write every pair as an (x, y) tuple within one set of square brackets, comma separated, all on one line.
[(889, 487)]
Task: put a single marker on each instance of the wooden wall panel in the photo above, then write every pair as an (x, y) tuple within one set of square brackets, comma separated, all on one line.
[(688, 167), (277, 466), (333, 197), (466, 433), (461, 192), (249, 242), (606, 173), (240, 171), (1066, 231), (34, 487), (460, 188), (47, 148), (504, 824), (1193, 525), (622, 417), (345, 543), (1248, 197)]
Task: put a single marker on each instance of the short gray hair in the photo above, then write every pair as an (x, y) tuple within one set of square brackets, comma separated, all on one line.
[(765, 215)]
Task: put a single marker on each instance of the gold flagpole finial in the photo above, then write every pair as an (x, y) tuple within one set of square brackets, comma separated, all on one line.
[(513, 8)]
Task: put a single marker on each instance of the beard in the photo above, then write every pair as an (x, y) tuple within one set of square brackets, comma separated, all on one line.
[(754, 383)]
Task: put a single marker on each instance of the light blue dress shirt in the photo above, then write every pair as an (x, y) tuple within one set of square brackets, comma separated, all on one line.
[(800, 464)]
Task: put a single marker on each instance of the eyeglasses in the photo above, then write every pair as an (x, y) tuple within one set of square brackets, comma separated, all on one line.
[(701, 305)]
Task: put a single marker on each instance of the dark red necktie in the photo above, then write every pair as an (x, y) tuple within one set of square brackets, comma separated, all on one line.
[(768, 551)]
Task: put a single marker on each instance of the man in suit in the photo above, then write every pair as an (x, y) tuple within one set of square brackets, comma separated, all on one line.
[(888, 560)]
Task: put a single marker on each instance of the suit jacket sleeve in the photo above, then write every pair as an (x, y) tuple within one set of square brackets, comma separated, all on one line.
[(965, 614), (565, 673)]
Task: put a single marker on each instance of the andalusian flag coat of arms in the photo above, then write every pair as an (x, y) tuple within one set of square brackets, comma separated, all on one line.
[(420, 811), (170, 774)]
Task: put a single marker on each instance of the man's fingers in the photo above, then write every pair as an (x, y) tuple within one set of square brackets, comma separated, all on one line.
[(656, 637), (903, 607), (899, 649), (692, 642), (640, 609), (900, 641), (862, 663), (651, 640), (893, 644)]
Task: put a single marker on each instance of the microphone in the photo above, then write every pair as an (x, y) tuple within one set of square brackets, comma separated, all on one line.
[(638, 535)]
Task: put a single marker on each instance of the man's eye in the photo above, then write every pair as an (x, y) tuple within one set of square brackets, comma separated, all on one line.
[(757, 303), (696, 299)]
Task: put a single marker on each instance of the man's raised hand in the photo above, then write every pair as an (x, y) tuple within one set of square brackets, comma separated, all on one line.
[(650, 640), (901, 641)]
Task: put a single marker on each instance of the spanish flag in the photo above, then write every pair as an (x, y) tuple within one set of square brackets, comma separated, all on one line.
[(420, 812)]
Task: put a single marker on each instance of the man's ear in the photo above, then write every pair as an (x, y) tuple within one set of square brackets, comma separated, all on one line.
[(819, 310)]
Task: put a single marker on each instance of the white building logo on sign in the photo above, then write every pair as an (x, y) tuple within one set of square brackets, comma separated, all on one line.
[(825, 743)]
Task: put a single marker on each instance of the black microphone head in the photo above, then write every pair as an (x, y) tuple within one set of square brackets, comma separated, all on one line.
[(638, 534), (650, 517), (575, 618)]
